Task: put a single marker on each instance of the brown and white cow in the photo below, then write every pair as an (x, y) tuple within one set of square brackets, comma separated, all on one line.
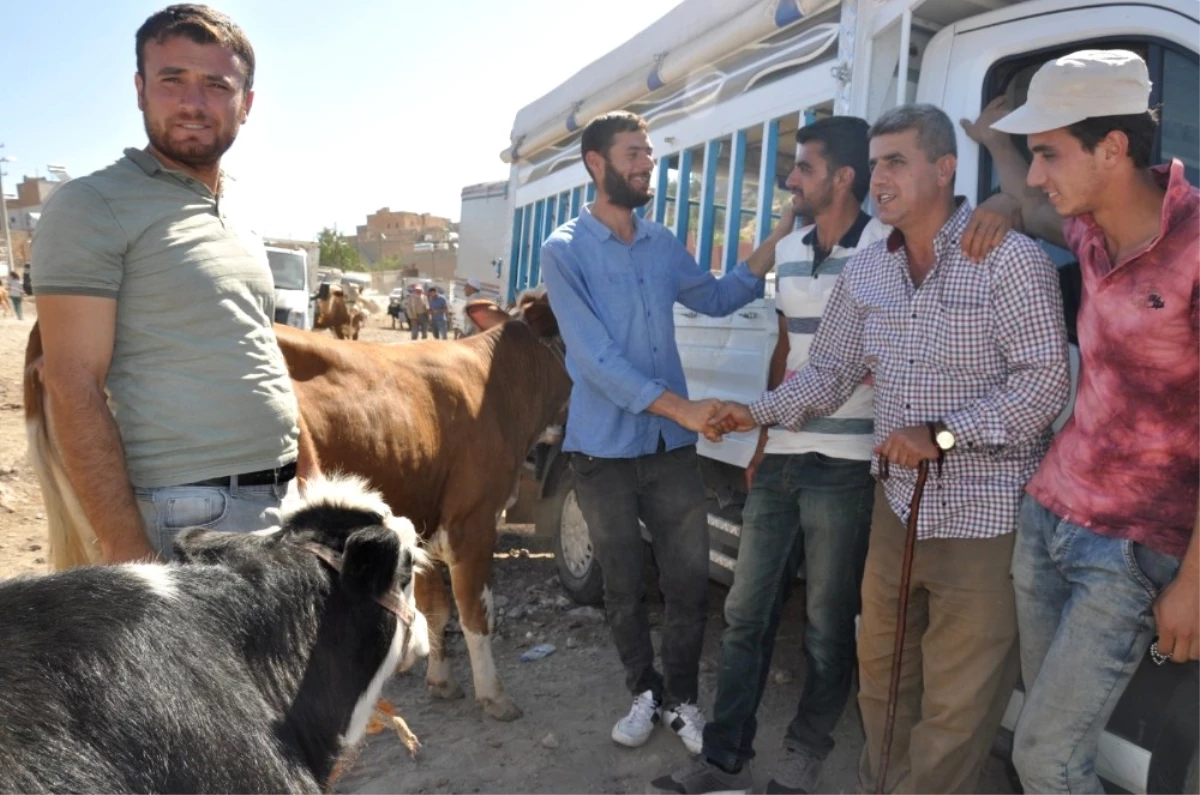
[(441, 430), (338, 315)]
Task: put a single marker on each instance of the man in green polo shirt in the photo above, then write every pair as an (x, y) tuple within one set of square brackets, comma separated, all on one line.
[(169, 396)]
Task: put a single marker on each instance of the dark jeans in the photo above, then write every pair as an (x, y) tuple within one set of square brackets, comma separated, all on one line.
[(665, 491), (805, 508)]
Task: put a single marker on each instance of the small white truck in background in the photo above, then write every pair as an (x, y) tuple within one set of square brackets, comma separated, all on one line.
[(295, 281)]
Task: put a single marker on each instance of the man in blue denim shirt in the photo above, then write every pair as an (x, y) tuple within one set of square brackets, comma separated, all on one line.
[(613, 280)]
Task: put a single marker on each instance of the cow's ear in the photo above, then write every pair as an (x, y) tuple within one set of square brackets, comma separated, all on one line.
[(541, 319), (486, 314), (370, 560)]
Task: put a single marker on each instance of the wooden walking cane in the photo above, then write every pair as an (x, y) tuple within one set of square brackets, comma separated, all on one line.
[(910, 542)]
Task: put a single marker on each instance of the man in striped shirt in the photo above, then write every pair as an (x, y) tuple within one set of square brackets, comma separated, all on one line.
[(969, 362), (810, 494)]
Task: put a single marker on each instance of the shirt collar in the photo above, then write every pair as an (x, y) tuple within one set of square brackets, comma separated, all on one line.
[(601, 230), (950, 233), (849, 239), (152, 166), (1180, 201)]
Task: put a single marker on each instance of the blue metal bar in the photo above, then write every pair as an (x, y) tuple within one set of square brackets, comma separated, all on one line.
[(682, 210), (708, 186), (526, 247), (766, 180), (591, 192), (576, 201), (564, 207), (660, 192), (535, 260), (733, 203), (515, 255), (766, 188)]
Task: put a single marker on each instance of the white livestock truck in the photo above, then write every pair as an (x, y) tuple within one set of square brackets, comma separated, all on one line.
[(724, 86)]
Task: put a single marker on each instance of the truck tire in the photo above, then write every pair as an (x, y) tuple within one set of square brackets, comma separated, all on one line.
[(561, 518)]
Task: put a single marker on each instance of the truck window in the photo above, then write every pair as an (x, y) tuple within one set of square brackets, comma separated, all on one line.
[(288, 269), (1174, 74)]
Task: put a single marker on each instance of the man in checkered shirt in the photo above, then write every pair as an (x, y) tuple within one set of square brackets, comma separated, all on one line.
[(969, 362)]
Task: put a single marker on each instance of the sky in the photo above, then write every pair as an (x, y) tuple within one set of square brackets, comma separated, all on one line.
[(360, 104)]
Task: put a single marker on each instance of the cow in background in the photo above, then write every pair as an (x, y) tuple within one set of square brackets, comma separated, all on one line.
[(338, 315), (442, 431)]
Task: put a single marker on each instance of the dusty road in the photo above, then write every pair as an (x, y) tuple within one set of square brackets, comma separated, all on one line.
[(570, 698)]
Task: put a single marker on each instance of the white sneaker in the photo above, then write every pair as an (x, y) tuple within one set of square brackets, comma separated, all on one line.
[(635, 728), (687, 721)]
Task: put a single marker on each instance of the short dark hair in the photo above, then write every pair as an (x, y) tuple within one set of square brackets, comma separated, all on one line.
[(599, 133), (935, 131), (201, 24), (845, 145), (1139, 128)]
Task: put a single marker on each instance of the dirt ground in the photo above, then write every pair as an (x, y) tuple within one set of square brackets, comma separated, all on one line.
[(570, 698)]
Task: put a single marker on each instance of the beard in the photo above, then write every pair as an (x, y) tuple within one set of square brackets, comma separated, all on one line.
[(809, 205), (620, 192), (192, 153)]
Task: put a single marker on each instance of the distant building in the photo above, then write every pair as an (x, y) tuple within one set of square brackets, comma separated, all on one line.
[(428, 243)]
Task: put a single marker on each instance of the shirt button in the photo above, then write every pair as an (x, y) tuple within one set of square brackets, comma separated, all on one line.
[(914, 314), (910, 361), (908, 405)]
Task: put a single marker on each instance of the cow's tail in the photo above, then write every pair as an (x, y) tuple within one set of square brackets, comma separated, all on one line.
[(72, 540)]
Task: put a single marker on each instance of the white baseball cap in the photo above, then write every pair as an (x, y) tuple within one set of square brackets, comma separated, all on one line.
[(474, 283), (1082, 85)]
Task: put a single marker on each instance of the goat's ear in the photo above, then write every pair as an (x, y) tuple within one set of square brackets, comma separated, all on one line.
[(198, 545), (486, 314), (370, 560)]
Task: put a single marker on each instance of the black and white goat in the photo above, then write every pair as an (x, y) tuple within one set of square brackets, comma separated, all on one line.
[(248, 666)]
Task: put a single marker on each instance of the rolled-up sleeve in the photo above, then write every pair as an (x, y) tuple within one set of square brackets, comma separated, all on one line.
[(701, 291), (594, 354), (836, 365), (1032, 336)]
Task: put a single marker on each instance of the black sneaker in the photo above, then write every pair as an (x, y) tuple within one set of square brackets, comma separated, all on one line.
[(703, 776), (797, 774)]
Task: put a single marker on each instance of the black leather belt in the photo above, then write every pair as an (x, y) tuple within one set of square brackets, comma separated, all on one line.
[(264, 477)]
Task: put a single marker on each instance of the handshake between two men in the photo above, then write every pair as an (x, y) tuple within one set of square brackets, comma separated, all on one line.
[(713, 418)]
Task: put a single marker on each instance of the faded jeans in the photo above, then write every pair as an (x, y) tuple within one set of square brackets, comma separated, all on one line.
[(806, 509), (665, 490), (169, 510), (1085, 613), (439, 327), (419, 323)]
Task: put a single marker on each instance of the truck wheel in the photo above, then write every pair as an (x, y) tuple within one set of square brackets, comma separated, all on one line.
[(577, 567)]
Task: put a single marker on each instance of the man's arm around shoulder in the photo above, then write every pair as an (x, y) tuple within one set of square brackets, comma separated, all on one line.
[(77, 335)]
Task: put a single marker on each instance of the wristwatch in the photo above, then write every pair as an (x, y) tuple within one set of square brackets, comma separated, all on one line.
[(943, 437)]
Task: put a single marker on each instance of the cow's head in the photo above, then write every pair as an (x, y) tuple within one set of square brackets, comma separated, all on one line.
[(532, 308)]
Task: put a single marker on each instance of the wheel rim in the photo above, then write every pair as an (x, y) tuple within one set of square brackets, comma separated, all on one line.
[(573, 533)]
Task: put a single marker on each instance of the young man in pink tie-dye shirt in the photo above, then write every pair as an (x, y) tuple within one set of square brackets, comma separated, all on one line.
[(1106, 556)]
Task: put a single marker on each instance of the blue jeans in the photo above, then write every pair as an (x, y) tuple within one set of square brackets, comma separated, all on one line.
[(439, 327), (1084, 611), (419, 324), (816, 510), (169, 510)]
